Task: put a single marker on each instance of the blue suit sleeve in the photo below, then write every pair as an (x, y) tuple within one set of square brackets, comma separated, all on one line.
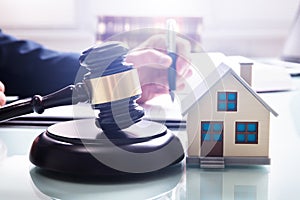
[(27, 68)]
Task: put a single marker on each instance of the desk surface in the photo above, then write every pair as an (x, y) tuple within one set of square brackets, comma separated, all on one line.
[(19, 179)]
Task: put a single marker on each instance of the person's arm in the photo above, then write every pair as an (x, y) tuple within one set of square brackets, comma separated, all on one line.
[(27, 68)]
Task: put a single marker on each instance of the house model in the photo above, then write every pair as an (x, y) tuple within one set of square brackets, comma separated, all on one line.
[(227, 122)]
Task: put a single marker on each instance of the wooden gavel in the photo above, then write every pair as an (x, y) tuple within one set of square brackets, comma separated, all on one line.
[(111, 86)]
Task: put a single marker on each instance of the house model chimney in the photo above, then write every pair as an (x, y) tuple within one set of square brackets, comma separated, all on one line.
[(246, 72)]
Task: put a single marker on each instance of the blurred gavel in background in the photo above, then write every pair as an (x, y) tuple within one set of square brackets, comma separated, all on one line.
[(111, 86)]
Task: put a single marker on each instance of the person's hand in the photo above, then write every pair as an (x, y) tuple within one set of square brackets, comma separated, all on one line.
[(2, 95), (152, 63)]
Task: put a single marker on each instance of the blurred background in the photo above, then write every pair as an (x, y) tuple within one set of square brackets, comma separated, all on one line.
[(235, 27)]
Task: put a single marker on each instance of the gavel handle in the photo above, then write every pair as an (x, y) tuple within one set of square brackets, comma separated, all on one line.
[(66, 96)]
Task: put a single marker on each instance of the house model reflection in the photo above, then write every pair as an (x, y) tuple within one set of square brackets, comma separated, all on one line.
[(227, 122), (234, 183)]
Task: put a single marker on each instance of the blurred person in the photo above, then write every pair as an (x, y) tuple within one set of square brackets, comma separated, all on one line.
[(28, 68)]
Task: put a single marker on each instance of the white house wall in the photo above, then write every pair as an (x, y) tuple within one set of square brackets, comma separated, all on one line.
[(248, 109)]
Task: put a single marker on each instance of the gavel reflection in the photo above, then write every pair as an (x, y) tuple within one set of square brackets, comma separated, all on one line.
[(111, 86)]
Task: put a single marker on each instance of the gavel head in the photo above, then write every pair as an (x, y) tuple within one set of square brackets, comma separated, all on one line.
[(113, 85)]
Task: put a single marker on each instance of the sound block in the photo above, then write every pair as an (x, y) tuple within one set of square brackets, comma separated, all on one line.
[(79, 147)]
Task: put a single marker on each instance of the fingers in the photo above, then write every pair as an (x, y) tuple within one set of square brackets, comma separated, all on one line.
[(183, 68), (2, 96), (2, 99), (152, 63), (183, 48), (2, 88), (183, 51), (152, 90)]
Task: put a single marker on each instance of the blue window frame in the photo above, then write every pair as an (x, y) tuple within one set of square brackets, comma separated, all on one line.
[(212, 131), (227, 101), (246, 133)]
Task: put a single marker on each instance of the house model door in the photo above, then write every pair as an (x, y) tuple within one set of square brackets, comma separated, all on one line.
[(211, 139)]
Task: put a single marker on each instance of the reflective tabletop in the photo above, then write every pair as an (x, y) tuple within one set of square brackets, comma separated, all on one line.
[(19, 179)]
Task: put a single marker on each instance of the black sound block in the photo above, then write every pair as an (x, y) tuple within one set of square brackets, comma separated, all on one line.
[(80, 147)]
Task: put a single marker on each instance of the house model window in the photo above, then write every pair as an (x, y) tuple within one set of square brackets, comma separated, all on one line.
[(227, 101), (246, 133), (212, 131)]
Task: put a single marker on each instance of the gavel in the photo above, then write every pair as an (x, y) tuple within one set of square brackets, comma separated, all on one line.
[(118, 141), (111, 86)]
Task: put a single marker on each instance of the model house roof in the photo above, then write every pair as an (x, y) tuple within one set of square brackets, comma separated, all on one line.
[(212, 79)]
